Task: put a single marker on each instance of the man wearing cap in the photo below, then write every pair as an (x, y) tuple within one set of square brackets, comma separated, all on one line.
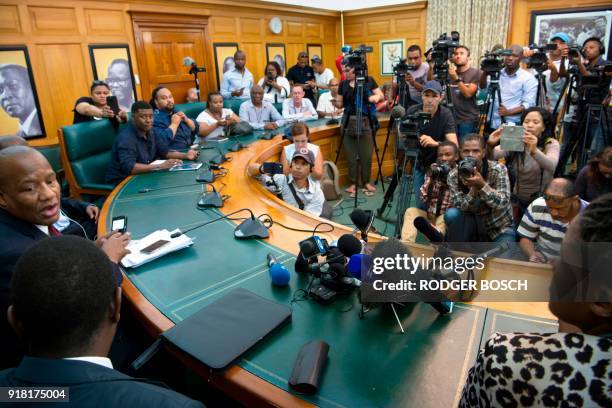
[(322, 75), (297, 188), (441, 127), (302, 74)]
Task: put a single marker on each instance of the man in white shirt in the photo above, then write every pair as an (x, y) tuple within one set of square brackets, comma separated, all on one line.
[(237, 83), (325, 107), (322, 75), (260, 114), (298, 107), (17, 99), (298, 188)]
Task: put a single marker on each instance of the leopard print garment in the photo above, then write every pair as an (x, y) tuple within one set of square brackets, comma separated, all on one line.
[(541, 370)]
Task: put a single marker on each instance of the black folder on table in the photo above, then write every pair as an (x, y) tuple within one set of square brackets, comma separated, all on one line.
[(224, 330)]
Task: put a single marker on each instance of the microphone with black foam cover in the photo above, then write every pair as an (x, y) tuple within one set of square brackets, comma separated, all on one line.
[(349, 245), (429, 231), (363, 221), (398, 112)]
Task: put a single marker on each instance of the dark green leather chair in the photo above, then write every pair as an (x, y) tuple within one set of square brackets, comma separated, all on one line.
[(53, 155), (86, 148), (192, 110), (234, 104)]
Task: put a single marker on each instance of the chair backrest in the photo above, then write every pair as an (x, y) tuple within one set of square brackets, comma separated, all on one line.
[(86, 147), (192, 110), (234, 104)]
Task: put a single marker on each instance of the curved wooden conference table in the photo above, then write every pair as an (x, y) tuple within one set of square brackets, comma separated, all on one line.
[(169, 289)]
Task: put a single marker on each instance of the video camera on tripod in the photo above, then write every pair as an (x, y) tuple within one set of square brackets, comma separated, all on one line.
[(357, 60), (411, 127), (539, 59), (442, 50), (493, 62)]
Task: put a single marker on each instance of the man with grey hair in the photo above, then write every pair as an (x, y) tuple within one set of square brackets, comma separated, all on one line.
[(17, 99), (260, 114), (518, 90), (119, 80)]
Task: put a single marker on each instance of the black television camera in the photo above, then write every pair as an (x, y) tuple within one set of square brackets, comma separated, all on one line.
[(493, 62), (594, 87), (466, 167), (442, 50), (401, 68), (357, 60), (539, 60), (411, 127)]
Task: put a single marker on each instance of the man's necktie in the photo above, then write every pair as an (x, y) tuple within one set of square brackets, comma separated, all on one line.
[(54, 232)]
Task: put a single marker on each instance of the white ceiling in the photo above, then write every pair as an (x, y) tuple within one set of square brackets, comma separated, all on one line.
[(341, 5)]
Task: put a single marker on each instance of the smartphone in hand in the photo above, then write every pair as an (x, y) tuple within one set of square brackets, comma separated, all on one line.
[(272, 168), (112, 103)]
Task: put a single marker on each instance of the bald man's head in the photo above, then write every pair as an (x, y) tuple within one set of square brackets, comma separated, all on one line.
[(7, 141), (561, 199), (561, 187), (28, 186)]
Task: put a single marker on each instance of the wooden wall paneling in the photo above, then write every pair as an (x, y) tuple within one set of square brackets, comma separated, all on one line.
[(53, 21), (104, 22), (256, 58), (9, 20)]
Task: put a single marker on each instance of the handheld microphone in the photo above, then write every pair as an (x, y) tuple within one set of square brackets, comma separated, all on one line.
[(279, 274), (428, 230), (349, 245)]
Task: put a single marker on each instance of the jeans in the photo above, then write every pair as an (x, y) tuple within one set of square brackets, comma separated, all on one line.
[(464, 129), (418, 180), (463, 227)]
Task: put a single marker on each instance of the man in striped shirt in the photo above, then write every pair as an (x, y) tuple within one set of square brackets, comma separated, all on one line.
[(546, 220)]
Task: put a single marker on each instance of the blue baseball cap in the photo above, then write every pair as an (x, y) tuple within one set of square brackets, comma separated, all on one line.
[(562, 36), (433, 86)]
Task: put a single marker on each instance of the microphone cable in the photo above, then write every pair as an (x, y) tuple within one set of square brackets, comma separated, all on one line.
[(268, 222), (147, 190)]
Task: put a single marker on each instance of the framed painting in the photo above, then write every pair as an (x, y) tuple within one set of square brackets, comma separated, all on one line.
[(276, 52), (20, 114), (391, 51), (112, 64), (224, 59), (314, 51)]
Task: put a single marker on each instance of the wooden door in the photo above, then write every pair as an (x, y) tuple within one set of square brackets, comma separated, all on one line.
[(162, 42)]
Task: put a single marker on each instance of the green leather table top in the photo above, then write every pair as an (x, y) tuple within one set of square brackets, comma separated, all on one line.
[(371, 363)]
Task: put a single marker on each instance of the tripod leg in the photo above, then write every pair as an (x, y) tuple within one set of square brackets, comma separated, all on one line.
[(340, 145), (391, 121), (378, 160)]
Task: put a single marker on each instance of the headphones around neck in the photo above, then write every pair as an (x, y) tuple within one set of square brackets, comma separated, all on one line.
[(602, 48)]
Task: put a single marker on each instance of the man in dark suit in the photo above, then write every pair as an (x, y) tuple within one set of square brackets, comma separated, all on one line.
[(29, 207), (65, 306)]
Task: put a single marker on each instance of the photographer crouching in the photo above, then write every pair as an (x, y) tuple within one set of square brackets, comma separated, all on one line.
[(480, 191), (441, 127), (434, 193)]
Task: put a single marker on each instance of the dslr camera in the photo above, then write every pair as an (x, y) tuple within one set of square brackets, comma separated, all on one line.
[(440, 170), (466, 167), (539, 60), (411, 127), (493, 62)]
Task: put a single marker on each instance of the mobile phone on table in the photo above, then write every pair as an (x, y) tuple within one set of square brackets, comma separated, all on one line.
[(119, 224), (154, 246), (272, 168), (112, 102)]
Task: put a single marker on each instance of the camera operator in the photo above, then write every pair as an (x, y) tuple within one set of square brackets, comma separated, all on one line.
[(464, 85), (592, 50), (441, 127), (346, 99), (518, 89), (434, 193), (415, 77), (480, 191)]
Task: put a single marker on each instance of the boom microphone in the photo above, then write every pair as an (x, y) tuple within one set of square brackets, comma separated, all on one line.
[(430, 232), (363, 221), (398, 112), (188, 61)]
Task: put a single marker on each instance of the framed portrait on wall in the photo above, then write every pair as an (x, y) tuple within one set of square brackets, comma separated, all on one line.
[(578, 24), (112, 64), (224, 59), (276, 53), (20, 114), (314, 51), (391, 51)]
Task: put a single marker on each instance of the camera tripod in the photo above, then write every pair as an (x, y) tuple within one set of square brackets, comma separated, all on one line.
[(578, 145), (541, 92), (359, 94), (493, 92)]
